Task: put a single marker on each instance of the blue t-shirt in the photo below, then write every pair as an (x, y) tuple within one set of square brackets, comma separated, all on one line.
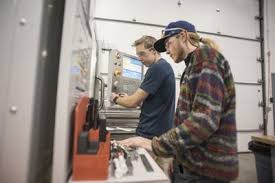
[(157, 110)]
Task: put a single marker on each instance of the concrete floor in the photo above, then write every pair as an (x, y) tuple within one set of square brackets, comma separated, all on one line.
[(247, 169)]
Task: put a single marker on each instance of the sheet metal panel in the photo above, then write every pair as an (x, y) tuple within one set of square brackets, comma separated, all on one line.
[(235, 17)]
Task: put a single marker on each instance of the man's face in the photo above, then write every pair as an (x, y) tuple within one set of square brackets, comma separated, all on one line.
[(146, 56), (174, 48)]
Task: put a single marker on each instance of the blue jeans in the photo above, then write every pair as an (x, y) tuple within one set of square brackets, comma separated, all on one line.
[(182, 175)]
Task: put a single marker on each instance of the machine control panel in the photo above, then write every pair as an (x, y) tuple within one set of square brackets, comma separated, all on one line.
[(125, 73)]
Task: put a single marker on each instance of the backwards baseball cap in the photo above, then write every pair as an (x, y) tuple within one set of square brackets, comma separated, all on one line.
[(172, 29)]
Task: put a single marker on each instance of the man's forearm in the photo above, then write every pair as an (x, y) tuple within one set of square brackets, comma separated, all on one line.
[(132, 100), (127, 101)]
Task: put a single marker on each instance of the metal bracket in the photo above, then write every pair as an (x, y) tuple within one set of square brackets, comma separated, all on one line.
[(268, 109), (261, 126), (261, 104), (261, 60), (260, 81), (259, 17), (259, 38)]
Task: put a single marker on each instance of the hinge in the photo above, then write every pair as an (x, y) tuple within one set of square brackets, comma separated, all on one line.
[(260, 81), (260, 60), (259, 17), (261, 126), (259, 38), (261, 104)]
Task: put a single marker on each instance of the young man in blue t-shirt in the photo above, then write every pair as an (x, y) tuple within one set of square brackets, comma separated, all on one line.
[(156, 92)]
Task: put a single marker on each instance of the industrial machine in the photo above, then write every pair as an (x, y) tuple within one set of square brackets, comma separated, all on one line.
[(125, 74), (91, 142), (95, 157)]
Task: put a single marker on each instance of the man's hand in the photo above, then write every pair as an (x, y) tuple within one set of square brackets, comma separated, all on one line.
[(114, 95), (131, 101), (137, 142), (123, 94), (119, 95)]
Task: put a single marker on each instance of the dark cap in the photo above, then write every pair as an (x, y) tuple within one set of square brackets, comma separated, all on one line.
[(170, 30)]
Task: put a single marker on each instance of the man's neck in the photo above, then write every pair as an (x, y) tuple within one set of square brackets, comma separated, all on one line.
[(190, 49), (157, 58)]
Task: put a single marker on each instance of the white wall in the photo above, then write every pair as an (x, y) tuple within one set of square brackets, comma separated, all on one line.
[(270, 47), (117, 28)]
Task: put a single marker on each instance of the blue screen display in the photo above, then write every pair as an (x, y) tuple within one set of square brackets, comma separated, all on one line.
[(132, 68)]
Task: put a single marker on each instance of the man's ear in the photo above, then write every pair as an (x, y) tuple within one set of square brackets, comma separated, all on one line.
[(183, 35), (154, 51)]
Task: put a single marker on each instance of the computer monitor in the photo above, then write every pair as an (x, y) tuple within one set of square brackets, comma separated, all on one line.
[(132, 68)]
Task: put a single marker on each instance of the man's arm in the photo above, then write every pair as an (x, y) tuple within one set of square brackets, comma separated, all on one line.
[(137, 142), (132, 100)]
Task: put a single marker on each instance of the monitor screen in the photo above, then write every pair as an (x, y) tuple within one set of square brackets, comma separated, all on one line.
[(132, 68)]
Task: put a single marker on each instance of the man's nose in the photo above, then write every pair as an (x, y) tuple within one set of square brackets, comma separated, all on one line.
[(140, 58)]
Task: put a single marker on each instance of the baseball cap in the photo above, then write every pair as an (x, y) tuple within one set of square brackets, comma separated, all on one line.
[(172, 29)]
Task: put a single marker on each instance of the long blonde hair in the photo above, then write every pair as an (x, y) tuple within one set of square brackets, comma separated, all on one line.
[(195, 40)]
